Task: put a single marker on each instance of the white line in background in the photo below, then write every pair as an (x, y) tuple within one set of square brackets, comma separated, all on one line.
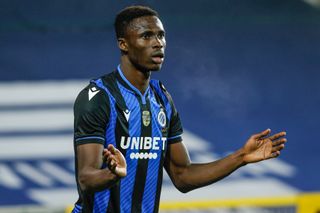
[(36, 120), (33, 174), (39, 92), (36, 147), (8, 178), (57, 172), (239, 188), (54, 197)]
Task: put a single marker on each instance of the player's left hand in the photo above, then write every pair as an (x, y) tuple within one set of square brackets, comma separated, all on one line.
[(261, 146)]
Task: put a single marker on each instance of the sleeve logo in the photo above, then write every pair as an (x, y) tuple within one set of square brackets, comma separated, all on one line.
[(92, 92)]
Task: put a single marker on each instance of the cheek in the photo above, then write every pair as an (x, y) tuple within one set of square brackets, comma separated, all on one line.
[(140, 54), (164, 43)]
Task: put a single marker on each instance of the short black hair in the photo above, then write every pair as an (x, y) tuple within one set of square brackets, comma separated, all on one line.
[(126, 15)]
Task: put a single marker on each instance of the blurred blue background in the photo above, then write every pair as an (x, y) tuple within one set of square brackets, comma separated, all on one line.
[(234, 68)]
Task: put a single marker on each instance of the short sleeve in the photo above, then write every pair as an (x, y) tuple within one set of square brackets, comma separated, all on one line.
[(91, 115), (175, 127)]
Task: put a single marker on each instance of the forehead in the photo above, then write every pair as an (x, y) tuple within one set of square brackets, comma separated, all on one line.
[(145, 23)]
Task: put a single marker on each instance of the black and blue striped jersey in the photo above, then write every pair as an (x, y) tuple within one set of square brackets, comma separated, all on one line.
[(110, 110)]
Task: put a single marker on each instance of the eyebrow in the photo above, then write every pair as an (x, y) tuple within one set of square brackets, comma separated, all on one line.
[(150, 31)]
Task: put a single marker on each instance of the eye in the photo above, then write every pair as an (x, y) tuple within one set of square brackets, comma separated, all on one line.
[(161, 35), (146, 35)]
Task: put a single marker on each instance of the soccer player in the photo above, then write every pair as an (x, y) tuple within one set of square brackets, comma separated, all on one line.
[(126, 129)]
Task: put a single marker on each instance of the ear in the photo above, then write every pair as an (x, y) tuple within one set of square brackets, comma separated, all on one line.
[(122, 44)]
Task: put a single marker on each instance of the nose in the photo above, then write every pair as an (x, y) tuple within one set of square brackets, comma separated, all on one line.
[(158, 43)]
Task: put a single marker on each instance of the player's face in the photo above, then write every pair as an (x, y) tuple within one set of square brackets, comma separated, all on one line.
[(145, 38)]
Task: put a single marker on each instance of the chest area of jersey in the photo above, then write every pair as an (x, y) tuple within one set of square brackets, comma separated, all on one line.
[(142, 117), (141, 127)]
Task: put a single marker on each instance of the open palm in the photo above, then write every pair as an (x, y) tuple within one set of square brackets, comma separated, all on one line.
[(261, 146)]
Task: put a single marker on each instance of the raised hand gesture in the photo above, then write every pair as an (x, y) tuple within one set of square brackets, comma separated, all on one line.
[(115, 161), (261, 146)]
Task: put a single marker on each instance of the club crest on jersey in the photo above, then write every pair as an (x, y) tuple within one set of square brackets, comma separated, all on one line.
[(162, 120), (146, 118)]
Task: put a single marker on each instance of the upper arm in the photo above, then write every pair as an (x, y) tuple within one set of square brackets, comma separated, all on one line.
[(91, 115), (89, 156), (91, 176)]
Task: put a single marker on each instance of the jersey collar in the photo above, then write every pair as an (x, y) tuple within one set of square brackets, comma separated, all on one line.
[(129, 86)]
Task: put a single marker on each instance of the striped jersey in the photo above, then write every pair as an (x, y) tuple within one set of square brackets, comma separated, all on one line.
[(110, 110)]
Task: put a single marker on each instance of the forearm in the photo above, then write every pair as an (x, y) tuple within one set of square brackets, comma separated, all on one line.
[(194, 176), (91, 157), (97, 179), (187, 176)]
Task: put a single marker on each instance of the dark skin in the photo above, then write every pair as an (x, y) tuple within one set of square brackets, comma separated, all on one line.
[(187, 176), (142, 50), (90, 158)]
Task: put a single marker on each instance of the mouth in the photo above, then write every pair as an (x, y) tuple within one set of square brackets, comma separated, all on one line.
[(157, 57)]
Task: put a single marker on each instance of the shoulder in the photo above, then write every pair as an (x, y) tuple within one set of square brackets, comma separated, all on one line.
[(161, 90), (159, 87), (91, 97), (96, 91)]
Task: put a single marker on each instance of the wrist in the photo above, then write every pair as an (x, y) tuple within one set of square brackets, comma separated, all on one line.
[(239, 155), (113, 176)]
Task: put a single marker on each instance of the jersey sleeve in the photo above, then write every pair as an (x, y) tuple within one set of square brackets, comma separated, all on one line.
[(91, 115), (175, 127)]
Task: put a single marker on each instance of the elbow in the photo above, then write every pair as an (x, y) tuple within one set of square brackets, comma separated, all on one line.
[(93, 182), (84, 183), (181, 183), (182, 187)]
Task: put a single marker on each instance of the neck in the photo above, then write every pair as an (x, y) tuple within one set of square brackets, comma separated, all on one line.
[(139, 79)]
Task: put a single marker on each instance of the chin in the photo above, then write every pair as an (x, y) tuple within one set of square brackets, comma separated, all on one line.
[(149, 67), (156, 67)]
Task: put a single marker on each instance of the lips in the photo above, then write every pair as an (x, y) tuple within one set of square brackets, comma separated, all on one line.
[(157, 57)]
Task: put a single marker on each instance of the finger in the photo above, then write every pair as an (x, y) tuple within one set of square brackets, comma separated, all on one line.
[(110, 159), (112, 163), (278, 135), (106, 155), (277, 148), (279, 141), (275, 154), (111, 148), (104, 151), (261, 134)]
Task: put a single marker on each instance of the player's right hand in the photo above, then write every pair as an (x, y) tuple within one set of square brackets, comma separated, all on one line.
[(115, 161)]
